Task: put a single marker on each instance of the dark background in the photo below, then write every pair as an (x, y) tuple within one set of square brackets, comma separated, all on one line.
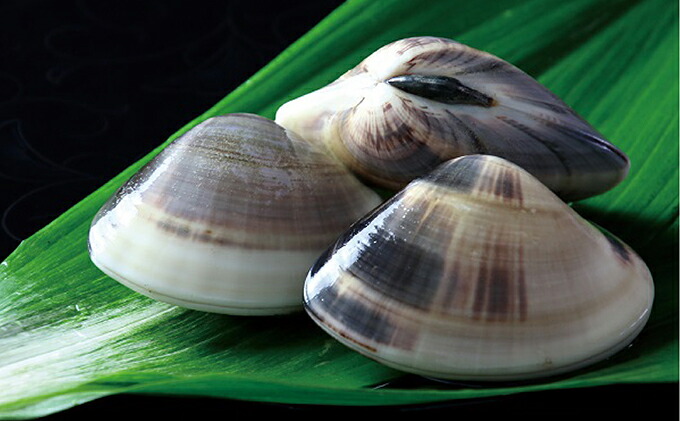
[(87, 87)]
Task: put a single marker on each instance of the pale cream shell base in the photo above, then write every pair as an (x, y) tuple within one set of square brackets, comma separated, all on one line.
[(195, 275), (391, 359)]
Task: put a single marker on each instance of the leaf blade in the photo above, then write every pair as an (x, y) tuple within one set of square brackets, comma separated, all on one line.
[(61, 317)]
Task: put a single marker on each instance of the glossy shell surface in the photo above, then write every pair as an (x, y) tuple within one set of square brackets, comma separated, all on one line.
[(228, 218), (478, 272), (420, 101)]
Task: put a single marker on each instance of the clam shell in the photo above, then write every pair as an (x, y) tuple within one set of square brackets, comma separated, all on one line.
[(478, 272), (228, 218), (389, 122)]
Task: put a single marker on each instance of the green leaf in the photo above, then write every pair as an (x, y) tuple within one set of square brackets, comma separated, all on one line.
[(69, 334)]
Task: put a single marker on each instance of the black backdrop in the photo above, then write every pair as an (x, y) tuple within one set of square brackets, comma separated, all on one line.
[(88, 87)]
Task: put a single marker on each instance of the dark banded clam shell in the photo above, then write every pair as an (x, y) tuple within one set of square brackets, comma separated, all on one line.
[(478, 272), (228, 218), (418, 102)]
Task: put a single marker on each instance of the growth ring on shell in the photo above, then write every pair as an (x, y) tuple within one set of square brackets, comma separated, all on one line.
[(228, 218), (420, 101), (478, 272)]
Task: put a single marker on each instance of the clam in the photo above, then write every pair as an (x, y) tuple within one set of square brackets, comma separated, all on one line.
[(228, 218), (418, 102), (477, 271)]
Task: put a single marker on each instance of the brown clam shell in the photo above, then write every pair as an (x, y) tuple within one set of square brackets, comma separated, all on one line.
[(228, 218), (477, 271), (420, 101)]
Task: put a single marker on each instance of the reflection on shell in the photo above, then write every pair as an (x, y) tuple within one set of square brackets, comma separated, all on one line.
[(228, 218), (418, 102), (478, 271)]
